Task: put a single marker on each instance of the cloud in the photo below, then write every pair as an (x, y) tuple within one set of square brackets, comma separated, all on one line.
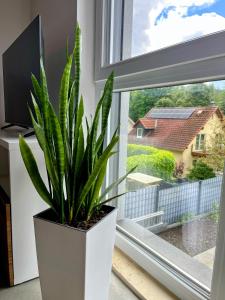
[(175, 26)]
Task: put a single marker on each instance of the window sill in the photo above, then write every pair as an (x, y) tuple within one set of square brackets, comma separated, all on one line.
[(140, 245), (139, 281)]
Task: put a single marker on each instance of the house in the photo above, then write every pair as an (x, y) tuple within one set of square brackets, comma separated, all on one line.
[(183, 131), (130, 124)]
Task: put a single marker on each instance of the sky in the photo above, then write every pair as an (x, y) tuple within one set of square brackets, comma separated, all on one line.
[(161, 23)]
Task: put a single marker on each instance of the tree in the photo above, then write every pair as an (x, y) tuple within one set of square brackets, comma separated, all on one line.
[(165, 102), (201, 171), (219, 98), (200, 94), (183, 103), (141, 101)]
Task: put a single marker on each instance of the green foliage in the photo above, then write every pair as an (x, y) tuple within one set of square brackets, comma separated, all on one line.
[(134, 149), (215, 149), (201, 171), (76, 163), (165, 102), (186, 217), (142, 101), (215, 214), (152, 161)]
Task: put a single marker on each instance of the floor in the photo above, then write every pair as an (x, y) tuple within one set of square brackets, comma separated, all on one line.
[(31, 290)]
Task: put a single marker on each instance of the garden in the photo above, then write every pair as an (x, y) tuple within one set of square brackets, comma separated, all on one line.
[(190, 208)]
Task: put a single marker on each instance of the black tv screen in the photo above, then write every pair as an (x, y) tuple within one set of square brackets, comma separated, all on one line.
[(20, 60)]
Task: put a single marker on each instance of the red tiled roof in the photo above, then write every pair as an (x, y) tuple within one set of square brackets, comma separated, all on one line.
[(147, 123), (174, 134)]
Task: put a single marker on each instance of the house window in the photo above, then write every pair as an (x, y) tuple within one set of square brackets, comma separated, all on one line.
[(155, 73), (200, 142), (139, 133)]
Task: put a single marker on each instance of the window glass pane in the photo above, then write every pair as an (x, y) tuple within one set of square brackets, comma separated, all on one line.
[(197, 142), (174, 193), (139, 132), (152, 25)]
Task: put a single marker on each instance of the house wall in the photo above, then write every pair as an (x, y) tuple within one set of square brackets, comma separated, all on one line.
[(178, 155), (214, 124), (14, 17), (184, 156)]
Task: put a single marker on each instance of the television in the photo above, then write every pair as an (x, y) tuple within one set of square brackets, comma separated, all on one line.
[(20, 60)]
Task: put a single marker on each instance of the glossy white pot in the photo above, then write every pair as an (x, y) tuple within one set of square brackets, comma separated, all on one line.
[(75, 264)]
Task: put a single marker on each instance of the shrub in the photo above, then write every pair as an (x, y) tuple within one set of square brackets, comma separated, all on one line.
[(159, 163), (215, 214), (201, 171), (186, 217), (133, 149)]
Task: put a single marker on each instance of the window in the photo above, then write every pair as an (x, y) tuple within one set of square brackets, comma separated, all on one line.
[(152, 25), (168, 193), (199, 62), (200, 142), (139, 132)]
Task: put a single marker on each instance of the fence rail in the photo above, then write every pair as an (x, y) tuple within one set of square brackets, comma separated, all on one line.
[(184, 200)]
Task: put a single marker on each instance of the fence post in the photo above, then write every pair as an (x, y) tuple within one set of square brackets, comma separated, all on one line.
[(199, 197), (157, 199)]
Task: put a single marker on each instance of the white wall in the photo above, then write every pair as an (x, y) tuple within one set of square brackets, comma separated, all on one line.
[(86, 20), (59, 20), (58, 23), (14, 17)]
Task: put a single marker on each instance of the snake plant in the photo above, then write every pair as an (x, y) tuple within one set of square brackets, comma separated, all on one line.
[(74, 150)]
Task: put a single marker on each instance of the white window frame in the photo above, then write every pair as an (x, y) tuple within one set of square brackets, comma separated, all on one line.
[(200, 142), (140, 132), (195, 61)]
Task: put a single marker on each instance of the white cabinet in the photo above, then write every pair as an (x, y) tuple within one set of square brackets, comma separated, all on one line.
[(25, 202)]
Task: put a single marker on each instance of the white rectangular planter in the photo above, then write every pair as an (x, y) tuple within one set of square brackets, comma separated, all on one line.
[(75, 264)]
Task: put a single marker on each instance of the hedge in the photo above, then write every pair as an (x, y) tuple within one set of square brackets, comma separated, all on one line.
[(201, 171), (155, 162), (133, 149)]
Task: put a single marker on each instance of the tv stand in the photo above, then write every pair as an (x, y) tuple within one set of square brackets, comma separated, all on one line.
[(11, 125), (16, 212), (26, 134)]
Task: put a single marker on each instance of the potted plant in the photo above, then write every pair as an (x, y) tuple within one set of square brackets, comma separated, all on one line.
[(75, 236)]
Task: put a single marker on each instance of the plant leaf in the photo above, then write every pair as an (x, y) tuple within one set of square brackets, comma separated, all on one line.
[(110, 199), (37, 111), (49, 160), (97, 168), (36, 87), (64, 96), (114, 184), (33, 171), (106, 105)]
